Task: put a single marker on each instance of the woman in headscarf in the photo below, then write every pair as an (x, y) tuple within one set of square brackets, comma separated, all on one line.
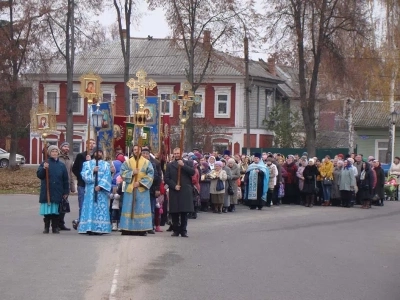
[(217, 196), (380, 182), (235, 175), (58, 186), (211, 162), (227, 197), (347, 183), (335, 193), (256, 183), (291, 188), (310, 174), (204, 186), (366, 185), (303, 163)]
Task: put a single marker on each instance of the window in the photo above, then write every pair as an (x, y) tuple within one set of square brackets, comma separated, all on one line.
[(134, 97), (199, 109), (52, 96), (222, 102), (164, 92), (108, 92), (77, 147), (269, 101), (107, 97), (381, 148), (77, 104), (52, 101)]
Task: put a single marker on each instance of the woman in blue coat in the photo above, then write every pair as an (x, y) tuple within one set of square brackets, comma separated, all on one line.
[(58, 188)]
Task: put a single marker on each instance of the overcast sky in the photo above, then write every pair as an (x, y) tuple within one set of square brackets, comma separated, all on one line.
[(153, 23)]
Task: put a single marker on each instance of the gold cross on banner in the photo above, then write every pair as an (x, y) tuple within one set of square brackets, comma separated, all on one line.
[(141, 85)]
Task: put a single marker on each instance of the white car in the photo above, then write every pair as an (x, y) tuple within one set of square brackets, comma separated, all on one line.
[(5, 156)]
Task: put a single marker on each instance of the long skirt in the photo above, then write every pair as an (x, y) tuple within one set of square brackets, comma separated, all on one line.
[(141, 220), (46, 209), (217, 198)]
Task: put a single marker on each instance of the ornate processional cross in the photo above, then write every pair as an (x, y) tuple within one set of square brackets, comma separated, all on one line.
[(141, 85)]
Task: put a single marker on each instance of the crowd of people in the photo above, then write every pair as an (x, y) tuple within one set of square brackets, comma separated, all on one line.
[(137, 195)]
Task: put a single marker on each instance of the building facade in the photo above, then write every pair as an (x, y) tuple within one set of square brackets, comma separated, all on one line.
[(222, 90)]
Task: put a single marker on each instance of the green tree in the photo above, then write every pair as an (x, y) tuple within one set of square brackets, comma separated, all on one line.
[(287, 126)]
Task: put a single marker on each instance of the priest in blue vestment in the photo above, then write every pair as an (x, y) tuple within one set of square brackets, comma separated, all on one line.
[(138, 174), (95, 216), (256, 183)]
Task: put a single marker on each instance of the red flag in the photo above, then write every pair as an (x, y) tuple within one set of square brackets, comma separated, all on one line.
[(119, 133), (166, 136)]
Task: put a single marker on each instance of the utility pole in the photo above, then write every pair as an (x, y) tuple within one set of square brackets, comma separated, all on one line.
[(247, 88)]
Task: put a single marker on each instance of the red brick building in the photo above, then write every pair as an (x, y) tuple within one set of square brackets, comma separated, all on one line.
[(223, 92)]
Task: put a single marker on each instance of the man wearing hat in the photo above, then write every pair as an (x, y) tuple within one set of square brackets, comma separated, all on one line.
[(227, 154), (95, 216), (256, 183), (64, 158), (77, 169)]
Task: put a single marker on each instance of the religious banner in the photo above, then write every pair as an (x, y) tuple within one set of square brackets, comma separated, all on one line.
[(165, 132), (129, 131), (119, 133), (153, 121), (146, 136), (106, 131)]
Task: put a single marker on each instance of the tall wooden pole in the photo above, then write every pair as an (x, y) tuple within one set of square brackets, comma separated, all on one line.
[(44, 136), (180, 157)]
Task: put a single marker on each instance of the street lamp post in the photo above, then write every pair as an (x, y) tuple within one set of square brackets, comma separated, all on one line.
[(393, 120), (97, 117)]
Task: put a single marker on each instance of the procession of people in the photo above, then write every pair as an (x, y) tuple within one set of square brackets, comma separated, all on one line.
[(134, 195)]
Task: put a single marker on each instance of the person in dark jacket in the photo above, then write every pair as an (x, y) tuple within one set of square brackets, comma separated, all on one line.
[(155, 187), (310, 174), (180, 196), (380, 182), (77, 169), (366, 186), (58, 188)]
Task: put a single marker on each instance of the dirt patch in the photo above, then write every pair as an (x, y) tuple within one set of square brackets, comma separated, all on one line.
[(22, 181)]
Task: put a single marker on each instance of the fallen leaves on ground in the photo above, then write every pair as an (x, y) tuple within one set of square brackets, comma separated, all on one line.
[(22, 181)]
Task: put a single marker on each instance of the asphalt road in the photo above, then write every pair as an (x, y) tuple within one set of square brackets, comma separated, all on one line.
[(281, 253)]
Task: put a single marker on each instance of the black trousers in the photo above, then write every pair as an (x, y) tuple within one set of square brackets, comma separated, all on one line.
[(61, 217), (179, 222)]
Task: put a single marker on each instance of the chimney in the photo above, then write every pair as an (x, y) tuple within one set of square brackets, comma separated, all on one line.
[(207, 39), (123, 32), (271, 66)]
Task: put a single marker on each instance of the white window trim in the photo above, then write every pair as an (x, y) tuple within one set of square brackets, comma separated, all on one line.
[(222, 90), (202, 92), (76, 89), (52, 87), (131, 101), (376, 146), (166, 89), (108, 89)]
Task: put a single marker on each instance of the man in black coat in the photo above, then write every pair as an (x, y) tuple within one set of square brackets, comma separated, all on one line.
[(180, 196), (76, 170)]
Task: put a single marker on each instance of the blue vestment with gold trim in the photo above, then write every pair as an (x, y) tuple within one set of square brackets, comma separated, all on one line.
[(141, 219)]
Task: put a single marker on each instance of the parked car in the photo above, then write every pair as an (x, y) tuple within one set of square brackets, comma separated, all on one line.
[(5, 157)]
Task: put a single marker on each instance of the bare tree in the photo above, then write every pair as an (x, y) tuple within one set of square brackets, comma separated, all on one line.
[(124, 11), (192, 20), (204, 130), (20, 49), (71, 28), (317, 27)]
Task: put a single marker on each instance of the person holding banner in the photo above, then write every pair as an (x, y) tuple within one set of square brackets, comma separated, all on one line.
[(138, 174), (95, 216)]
